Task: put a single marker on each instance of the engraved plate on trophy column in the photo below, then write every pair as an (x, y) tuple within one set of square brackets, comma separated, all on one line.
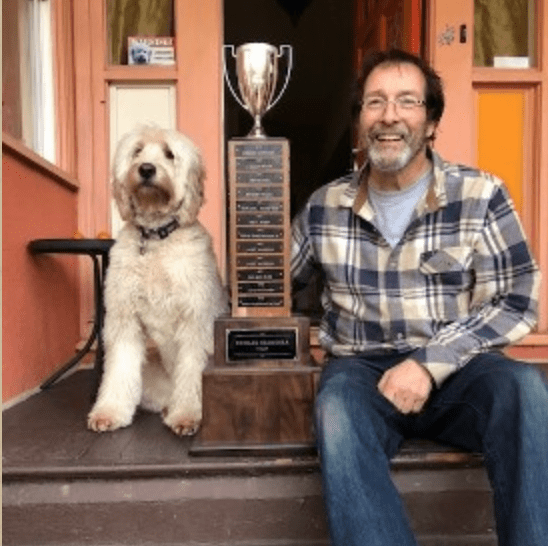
[(259, 227), (259, 206), (259, 219), (244, 233), (259, 192), (259, 177), (252, 260)]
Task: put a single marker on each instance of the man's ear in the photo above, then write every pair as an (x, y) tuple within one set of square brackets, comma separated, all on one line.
[(431, 130)]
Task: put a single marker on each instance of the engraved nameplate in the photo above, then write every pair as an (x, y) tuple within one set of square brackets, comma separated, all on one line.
[(259, 206), (268, 177), (259, 192), (260, 274), (259, 261), (261, 301), (260, 247), (259, 219), (259, 233), (261, 287), (258, 163), (249, 330), (279, 344), (253, 150)]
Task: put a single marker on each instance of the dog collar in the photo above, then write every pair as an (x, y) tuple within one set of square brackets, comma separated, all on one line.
[(157, 233)]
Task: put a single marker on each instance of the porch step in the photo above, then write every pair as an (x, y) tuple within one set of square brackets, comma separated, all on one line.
[(66, 486), (447, 508)]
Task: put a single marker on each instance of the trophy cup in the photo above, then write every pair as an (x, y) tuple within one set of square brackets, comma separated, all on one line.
[(258, 393), (257, 70)]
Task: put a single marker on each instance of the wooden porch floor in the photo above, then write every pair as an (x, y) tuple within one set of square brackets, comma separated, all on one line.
[(46, 437)]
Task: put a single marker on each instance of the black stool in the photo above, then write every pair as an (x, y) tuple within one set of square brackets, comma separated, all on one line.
[(98, 251)]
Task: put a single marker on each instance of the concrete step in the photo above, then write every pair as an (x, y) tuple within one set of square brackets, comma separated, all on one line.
[(446, 507)]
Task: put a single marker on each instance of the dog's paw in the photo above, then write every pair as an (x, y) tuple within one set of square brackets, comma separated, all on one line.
[(104, 421), (182, 424)]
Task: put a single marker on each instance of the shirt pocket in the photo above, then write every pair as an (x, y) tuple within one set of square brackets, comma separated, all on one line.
[(450, 266)]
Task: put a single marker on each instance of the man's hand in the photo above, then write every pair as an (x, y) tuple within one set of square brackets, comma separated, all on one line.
[(407, 386)]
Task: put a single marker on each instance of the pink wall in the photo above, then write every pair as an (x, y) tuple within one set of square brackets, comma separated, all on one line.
[(40, 301)]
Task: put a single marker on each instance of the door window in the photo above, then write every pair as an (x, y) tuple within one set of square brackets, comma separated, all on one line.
[(140, 31), (504, 33)]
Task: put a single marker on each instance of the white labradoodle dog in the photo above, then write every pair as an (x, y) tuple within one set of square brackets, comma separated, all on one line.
[(162, 285)]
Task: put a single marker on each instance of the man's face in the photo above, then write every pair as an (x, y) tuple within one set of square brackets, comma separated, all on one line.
[(395, 133)]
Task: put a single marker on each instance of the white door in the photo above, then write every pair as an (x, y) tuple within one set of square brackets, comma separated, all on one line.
[(132, 104)]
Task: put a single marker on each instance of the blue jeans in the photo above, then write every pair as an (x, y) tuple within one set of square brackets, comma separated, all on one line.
[(493, 405)]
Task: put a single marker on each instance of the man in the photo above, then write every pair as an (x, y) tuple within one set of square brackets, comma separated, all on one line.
[(426, 276)]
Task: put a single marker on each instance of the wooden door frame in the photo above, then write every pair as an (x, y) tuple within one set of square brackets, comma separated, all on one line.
[(458, 134)]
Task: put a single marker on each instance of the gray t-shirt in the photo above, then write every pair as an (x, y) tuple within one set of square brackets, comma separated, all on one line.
[(394, 209)]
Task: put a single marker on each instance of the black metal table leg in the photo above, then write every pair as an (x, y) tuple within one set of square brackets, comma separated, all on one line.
[(94, 248), (95, 332), (100, 318)]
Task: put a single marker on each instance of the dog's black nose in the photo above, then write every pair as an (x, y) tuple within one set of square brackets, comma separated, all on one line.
[(147, 171)]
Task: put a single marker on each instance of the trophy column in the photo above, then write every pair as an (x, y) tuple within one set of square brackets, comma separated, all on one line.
[(259, 227), (258, 392)]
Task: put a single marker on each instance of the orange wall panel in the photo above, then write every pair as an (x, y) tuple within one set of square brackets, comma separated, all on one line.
[(40, 303), (501, 137)]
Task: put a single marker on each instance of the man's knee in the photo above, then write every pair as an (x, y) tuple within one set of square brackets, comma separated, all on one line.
[(527, 390), (334, 402), (345, 389), (514, 388), (350, 414)]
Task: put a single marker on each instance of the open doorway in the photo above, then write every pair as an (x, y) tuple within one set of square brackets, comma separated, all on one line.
[(314, 113)]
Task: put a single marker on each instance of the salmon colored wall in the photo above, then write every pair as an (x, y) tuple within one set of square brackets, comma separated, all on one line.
[(455, 134), (199, 107), (40, 304)]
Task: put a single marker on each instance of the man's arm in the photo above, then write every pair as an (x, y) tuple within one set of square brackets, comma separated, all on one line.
[(302, 257), (504, 300)]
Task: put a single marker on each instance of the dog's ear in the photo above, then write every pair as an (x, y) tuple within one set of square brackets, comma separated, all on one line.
[(196, 177), (120, 168), (190, 172), (121, 196)]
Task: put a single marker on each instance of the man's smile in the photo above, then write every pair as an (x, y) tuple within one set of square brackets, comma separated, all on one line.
[(388, 138)]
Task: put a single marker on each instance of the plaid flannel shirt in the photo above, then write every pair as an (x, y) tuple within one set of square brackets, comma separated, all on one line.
[(461, 281)]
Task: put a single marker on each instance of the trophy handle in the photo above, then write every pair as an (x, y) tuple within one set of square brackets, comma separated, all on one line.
[(287, 75), (227, 77)]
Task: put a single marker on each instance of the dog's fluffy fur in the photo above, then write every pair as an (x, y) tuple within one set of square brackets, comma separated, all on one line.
[(161, 290)]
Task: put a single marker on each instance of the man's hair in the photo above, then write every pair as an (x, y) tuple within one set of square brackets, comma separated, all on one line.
[(434, 97)]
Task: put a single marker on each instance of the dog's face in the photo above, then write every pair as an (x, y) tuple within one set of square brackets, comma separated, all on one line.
[(158, 175), (140, 53)]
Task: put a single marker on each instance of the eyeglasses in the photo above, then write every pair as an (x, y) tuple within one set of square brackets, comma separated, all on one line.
[(379, 104)]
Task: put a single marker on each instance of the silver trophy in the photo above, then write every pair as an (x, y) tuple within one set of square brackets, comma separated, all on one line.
[(257, 71)]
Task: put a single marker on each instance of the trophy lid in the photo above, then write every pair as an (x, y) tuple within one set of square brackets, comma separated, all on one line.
[(257, 46)]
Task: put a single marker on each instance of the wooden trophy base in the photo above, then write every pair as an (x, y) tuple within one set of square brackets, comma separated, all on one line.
[(255, 404), (257, 411)]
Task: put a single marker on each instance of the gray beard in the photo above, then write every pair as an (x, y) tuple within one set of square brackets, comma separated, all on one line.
[(390, 165)]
